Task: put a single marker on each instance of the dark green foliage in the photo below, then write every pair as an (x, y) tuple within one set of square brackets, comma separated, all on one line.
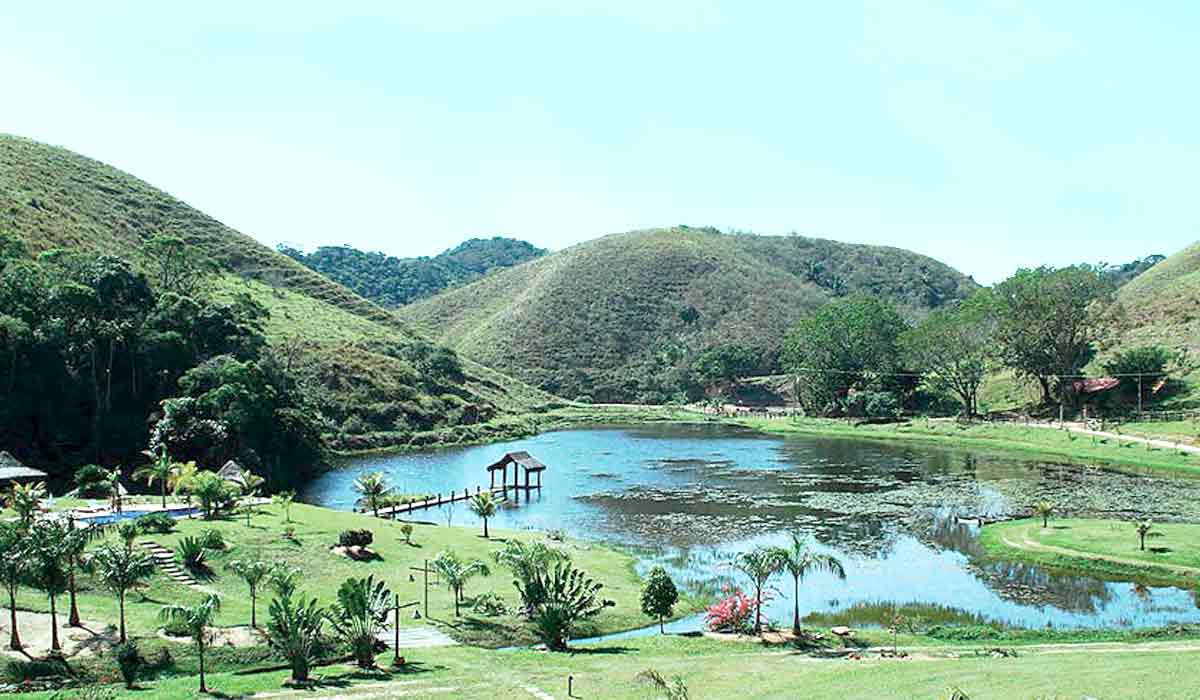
[(295, 632), (569, 597), (953, 347), (192, 554), (725, 363), (92, 481), (212, 539), (1119, 275), (1148, 362), (397, 281), (19, 671), (355, 538), (845, 346), (155, 523), (622, 317), (129, 662), (359, 615), (870, 404), (659, 595)]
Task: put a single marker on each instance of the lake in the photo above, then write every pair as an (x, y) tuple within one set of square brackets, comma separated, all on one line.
[(690, 497)]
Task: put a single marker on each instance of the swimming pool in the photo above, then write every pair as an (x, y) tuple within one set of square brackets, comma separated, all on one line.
[(111, 518)]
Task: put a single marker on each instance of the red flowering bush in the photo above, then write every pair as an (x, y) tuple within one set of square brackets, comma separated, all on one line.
[(734, 613)]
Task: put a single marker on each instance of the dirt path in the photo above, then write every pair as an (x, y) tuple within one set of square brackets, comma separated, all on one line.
[(1081, 429), (1030, 545)]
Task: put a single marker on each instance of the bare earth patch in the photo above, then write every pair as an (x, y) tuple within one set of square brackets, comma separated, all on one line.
[(34, 629)]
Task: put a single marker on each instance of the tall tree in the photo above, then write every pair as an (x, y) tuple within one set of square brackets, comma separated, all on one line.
[(952, 348), (799, 560), (161, 468), (483, 505), (1047, 321), (759, 564), (456, 572), (841, 347), (14, 570), (49, 568)]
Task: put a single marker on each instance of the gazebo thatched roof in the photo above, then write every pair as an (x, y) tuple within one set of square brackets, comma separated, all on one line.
[(12, 470), (233, 473), (521, 458)]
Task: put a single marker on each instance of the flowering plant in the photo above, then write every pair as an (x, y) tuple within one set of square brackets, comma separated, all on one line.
[(733, 613)]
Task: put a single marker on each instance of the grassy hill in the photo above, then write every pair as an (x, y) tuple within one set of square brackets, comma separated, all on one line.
[(357, 356), (393, 281), (1162, 307), (598, 318)]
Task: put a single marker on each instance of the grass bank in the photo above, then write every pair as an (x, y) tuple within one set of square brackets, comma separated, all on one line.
[(316, 530), (1003, 437), (1108, 549)]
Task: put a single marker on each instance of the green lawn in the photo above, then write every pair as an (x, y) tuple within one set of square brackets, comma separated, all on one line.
[(1184, 430), (712, 669), (1104, 548), (1009, 437), (323, 571)]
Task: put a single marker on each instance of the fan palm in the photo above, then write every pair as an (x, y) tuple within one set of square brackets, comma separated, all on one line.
[(457, 571), (759, 564), (373, 490), (483, 504), (120, 569), (525, 560), (359, 614), (196, 619), (799, 560)]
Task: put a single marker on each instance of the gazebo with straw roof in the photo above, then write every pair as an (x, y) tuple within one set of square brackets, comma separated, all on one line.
[(233, 473), (13, 472)]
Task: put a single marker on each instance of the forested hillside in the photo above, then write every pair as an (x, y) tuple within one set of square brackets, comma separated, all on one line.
[(392, 281), (118, 296), (622, 318)]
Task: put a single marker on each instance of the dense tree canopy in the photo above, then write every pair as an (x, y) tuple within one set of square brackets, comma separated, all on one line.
[(952, 348)]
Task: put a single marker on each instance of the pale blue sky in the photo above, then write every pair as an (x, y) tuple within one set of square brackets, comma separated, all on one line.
[(989, 135)]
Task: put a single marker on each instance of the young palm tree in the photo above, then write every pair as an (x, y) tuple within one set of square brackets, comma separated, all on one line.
[(197, 619), (526, 560), (14, 568), (161, 469), (120, 569), (26, 500), (799, 560), (759, 564), (483, 504), (360, 614), (184, 473), (254, 484), (284, 500), (373, 491), (1144, 529), (456, 572), (48, 568), (1044, 509), (254, 573)]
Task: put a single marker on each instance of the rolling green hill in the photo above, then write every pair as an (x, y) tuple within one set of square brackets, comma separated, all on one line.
[(361, 364), (392, 281), (606, 317), (1162, 307)]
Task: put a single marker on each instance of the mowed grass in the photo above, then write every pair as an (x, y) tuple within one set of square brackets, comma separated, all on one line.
[(324, 570), (1103, 548), (1007, 437), (712, 669)]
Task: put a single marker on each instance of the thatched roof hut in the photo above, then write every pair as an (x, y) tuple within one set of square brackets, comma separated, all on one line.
[(12, 471), (233, 473)]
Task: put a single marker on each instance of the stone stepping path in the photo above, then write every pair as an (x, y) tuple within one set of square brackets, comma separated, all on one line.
[(418, 637), (165, 559)]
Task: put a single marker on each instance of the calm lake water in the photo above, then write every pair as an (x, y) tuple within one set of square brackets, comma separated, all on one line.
[(690, 497)]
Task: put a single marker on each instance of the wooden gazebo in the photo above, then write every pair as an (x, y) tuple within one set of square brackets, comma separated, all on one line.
[(519, 461), (13, 472)]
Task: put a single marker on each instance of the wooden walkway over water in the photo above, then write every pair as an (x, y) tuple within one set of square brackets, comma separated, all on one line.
[(439, 500), (520, 461)]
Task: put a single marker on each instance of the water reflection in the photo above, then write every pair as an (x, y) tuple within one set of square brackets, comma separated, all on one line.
[(690, 497)]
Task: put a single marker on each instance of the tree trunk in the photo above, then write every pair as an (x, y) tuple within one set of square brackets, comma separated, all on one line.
[(200, 646), (1045, 521), (796, 610), (253, 609), (485, 529), (661, 630), (73, 617), (163, 491), (55, 646), (121, 610), (14, 639), (758, 610), (456, 594)]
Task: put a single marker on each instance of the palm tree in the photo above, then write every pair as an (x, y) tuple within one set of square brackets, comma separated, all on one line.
[(759, 564), (196, 619), (526, 560), (294, 630), (1144, 529), (120, 569), (373, 491), (483, 504), (799, 560), (253, 573), (254, 482), (74, 545), (161, 469), (284, 499), (184, 473), (1044, 509), (48, 568), (14, 567), (26, 500), (360, 613), (457, 572)]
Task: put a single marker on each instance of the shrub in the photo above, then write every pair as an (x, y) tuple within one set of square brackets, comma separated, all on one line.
[(176, 628), (406, 529), (18, 671), (130, 662), (489, 604), (355, 538), (191, 553), (92, 481), (734, 613), (212, 539), (155, 523)]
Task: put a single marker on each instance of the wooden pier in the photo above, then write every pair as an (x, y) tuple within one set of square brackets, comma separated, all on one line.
[(520, 461), (438, 501)]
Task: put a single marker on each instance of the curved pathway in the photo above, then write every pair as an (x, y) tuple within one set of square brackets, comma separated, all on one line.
[(1082, 429), (1027, 544)]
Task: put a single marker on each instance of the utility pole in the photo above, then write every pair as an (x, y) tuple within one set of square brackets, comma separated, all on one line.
[(1139, 396), (399, 660)]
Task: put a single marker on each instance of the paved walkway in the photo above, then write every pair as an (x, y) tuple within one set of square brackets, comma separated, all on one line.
[(1082, 429), (417, 637)]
